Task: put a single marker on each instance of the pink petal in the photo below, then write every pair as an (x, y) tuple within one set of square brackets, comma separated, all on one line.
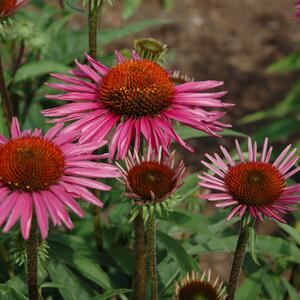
[(26, 215), (15, 128), (41, 213)]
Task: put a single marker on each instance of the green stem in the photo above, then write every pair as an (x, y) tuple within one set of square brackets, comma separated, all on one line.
[(94, 9), (32, 261), (238, 259), (97, 223), (140, 276), (7, 107), (151, 252)]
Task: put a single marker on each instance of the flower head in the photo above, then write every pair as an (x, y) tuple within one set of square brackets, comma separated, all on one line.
[(139, 98), (44, 173), (254, 184), (153, 179), (196, 287), (150, 48), (8, 7)]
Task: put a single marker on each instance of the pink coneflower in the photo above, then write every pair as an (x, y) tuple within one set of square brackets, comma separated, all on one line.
[(8, 7), (139, 98), (153, 179), (254, 184), (44, 174)]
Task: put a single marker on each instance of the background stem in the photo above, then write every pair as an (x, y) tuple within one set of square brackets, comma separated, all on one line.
[(151, 252), (139, 282), (7, 107), (238, 259), (32, 262)]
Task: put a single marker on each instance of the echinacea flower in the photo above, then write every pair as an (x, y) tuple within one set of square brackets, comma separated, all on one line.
[(297, 7), (139, 98), (42, 174), (194, 287), (255, 183), (8, 7), (153, 179)]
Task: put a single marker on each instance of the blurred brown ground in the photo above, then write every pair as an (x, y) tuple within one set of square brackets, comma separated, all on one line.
[(229, 40)]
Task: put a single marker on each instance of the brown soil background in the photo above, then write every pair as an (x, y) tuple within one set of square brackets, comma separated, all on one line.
[(229, 40)]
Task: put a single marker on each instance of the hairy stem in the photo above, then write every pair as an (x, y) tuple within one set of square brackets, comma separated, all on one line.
[(32, 261), (7, 107), (238, 259), (140, 276), (94, 9), (151, 252)]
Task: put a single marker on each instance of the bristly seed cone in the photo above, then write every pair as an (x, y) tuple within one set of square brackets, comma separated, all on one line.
[(151, 177), (254, 183), (30, 164), (136, 88), (196, 287), (149, 48)]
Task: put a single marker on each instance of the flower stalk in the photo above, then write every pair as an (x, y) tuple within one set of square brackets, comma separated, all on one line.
[(32, 261), (151, 251), (94, 10), (7, 107), (139, 281), (238, 258)]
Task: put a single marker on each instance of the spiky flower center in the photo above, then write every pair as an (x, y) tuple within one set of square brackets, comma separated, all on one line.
[(151, 177), (136, 88), (30, 164), (197, 290), (6, 5), (254, 183)]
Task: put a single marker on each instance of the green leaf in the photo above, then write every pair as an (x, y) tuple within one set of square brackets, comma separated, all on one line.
[(109, 35), (289, 104), (273, 285), (290, 231), (35, 119), (252, 286), (282, 127), (111, 293), (189, 133), (123, 258), (253, 245), (189, 187), (168, 4), (129, 7), (178, 253), (8, 293), (272, 246), (34, 69), (87, 267), (291, 290), (286, 64), (68, 284)]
